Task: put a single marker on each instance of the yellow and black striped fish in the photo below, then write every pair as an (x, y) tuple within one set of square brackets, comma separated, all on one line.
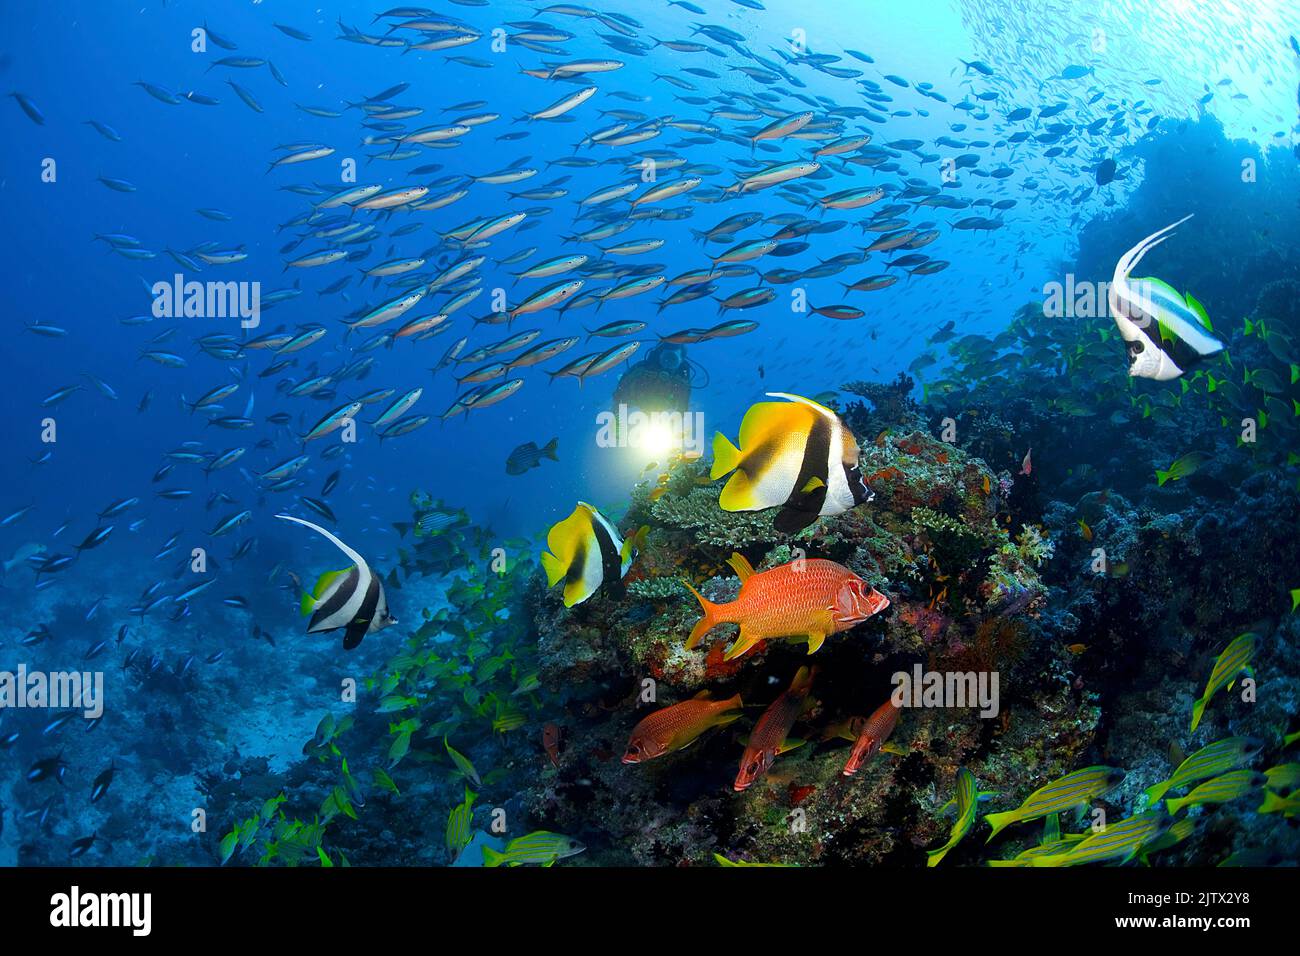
[(796, 455), (585, 552)]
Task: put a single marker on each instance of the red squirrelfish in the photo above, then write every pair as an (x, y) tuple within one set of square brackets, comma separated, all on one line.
[(551, 742), (676, 727), (768, 738), (808, 598), (872, 737)]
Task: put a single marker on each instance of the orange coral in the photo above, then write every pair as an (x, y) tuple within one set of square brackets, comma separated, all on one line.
[(997, 642), (715, 665)]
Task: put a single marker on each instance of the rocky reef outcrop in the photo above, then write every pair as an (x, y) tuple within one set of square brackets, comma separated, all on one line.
[(966, 595)]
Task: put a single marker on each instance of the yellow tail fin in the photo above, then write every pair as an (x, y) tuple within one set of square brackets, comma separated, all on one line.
[(1272, 803), (634, 544), (734, 711), (803, 679), (999, 821), (934, 856), (1151, 795), (553, 567), (726, 456)]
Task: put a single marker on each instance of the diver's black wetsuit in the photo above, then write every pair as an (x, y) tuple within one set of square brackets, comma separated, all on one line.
[(662, 381)]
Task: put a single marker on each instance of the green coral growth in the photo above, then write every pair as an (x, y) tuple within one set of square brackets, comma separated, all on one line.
[(698, 513), (657, 589), (955, 542)]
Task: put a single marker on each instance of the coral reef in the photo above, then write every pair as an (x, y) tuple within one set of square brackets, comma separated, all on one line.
[(965, 592)]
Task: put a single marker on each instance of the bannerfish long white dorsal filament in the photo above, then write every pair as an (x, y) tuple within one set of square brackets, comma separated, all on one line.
[(1166, 333)]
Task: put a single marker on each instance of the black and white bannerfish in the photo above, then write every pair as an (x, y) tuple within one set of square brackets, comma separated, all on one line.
[(352, 599), (586, 552), (796, 455), (1166, 332)]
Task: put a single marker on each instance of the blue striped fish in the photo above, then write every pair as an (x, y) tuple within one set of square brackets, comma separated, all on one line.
[(1176, 834), (1054, 848), (459, 822), (541, 847), (1222, 789), (1283, 777), (1118, 841), (1211, 760), (1287, 806), (1073, 791), (967, 805), (1234, 659)]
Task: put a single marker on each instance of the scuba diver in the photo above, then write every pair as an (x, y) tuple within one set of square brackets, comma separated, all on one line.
[(661, 382)]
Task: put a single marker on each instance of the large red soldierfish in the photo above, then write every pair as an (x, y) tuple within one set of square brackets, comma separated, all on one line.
[(805, 599)]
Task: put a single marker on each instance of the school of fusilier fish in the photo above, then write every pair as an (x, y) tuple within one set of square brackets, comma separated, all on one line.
[(774, 183)]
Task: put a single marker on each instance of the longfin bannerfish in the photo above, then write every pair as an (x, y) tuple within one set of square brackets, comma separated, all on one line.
[(352, 599), (796, 455), (1166, 333), (585, 551)]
